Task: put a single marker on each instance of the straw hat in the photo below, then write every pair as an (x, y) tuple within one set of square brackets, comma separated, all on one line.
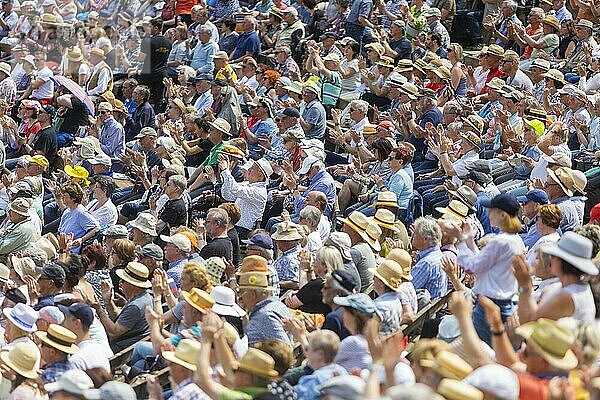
[(198, 299), (373, 234), (390, 273), (254, 280), (136, 274), (448, 365), (23, 266), (74, 54), (555, 75), (369, 129), (60, 338), (385, 219), (254, 264), (453, 389), (6, 68), (146, 223), (403, 258), (551, 20), (442, 72), (287, 231), (564, 178), (4, 273), (387, 198), (22, 359), (257, 362), (551, 341), (186, 354), (20, 206), (97, 52), (456, 210), (579, 181), (359, 222), (49, 19), (221, 125)]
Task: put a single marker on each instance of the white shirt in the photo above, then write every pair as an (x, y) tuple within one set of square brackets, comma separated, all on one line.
[(250, 197), (90, 355), (492, 265), (106, 214), (546, 239), (480, 78), (462, 165), (251, 82), (324, 228), (539, 171), (313, 243), (46, 91)]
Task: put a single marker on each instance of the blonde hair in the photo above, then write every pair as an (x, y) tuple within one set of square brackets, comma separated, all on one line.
[(124, 249), (508, 223), (324, 340), (331, 257), (198, 275), (587, 344), (458, 50)]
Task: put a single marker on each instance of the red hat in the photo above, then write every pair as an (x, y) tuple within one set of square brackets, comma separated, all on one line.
[(595, 212), (387, 125)]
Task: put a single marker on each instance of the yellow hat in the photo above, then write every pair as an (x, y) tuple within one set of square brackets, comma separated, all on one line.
[(551, 341), (254, 280), (453, 389), (390, 273), (78, 172), (403, 258), (186, 354), (60, 338), (369, 129), (254, 264), (198, 299), (39, 160), (257, 362), (22, 359), (448, 365)]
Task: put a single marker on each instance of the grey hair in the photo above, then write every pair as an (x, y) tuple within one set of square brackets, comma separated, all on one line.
[(331, 257), (510, 4), (455, 126), (591, 232), (430, 102), (429, 229), (360, 105), (251, 19), (144, 91), (37, 255), (311, 213), (179, 181), (103, 41), (205, 29), (537, 11), (221, 216)]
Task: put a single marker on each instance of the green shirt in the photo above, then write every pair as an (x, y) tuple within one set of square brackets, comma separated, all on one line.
[(213, 156), (331, 88), (244, 393)]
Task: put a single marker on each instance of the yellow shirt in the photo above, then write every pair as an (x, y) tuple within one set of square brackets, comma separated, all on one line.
[(221, 75)]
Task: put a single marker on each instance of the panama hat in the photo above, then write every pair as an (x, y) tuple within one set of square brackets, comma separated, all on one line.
[(136, 274), (221, 125), (254, 280), (387, 198), (198, 299), (373, 234), (495, 50), (186, 354), (257, 362), (6, 68), (403, 258), (574, 249), (495, 83), (442, 72), (385, 219), (98, 52), (390, 273), (233, 151), (564, 178), (453, 389), (369, 129), (359, 222), (146, 223), (60, 338), (225, 302), (74, 54), (555, 75), (385, 61), (585, 24), (20, 206), (466, 195), (409, 89), (376, 47), (22, 358), (551, 341), (22, 316), (287, 231), (456, 210)]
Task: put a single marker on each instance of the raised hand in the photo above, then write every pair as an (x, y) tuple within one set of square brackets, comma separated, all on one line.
[(521, 270), (32, 287), (106, 289)]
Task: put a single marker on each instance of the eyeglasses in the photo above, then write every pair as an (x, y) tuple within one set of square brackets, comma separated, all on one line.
[(38, 59), (505, 61), (102, 112), (260, 71)]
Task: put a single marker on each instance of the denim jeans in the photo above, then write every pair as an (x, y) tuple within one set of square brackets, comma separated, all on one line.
[(507, 308), (140, 352)]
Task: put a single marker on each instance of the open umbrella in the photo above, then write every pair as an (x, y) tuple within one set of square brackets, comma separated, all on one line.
[(77, 91)]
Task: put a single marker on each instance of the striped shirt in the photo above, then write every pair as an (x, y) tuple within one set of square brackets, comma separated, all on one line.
[(428, 274)]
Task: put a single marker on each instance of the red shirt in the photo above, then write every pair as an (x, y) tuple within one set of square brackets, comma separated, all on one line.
[(493, 73), (184, 6)]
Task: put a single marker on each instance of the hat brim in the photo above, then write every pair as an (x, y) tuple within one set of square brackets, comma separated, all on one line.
[(186, 297), (458, 196), (217, 127), (449, 213), (233, 311), (384, 280), (32, 374), (552, 175), (566, 363), (388, 225), (143, 284), (582, 264), (43, 336), (357, 229), (143, 229), (256, 371), (170, 356), (7, 313)]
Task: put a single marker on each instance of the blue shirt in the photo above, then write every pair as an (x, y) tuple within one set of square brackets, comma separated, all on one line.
[(130, 105), (112, 138), (532, 152), (175, 270), (314, 114), (248, 42), (570, 217), (359, 8), (202, 56), (531, 236), (266, 321), (288, 266), (53, 372), (389, 310), (482, 213), (486, 110), (400, 184), (78, 222), (335, 323), (428, 274), (307, 387), (261, 129), (44, 301), (321, 182)]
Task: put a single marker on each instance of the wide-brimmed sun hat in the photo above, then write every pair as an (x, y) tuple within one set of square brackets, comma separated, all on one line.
[(404, 259), (564, 178), (198, 299), (390, 273), (225, 302), (385, 219), (22, 358), (574, 249), (257, 362), (22, 316), (456, 210), (186, 354), (136, 274), (146, 223)]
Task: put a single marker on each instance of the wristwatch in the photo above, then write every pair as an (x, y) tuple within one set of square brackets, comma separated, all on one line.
[(524, 289)]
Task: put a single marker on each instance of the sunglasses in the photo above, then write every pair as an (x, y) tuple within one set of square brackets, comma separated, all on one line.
[(102, 112)]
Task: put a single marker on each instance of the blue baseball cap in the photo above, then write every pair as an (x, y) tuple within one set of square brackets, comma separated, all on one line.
[(504, 202), (535, 195), (359, 302), (81, 311), (261, 240)]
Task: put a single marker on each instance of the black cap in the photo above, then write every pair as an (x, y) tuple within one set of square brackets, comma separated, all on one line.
[(50, 110), (54, 272), (8, 1), (344, 279), (504, 202), (16, 296), (81, 311), (289, 112), (191, 81), (220, 82)]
